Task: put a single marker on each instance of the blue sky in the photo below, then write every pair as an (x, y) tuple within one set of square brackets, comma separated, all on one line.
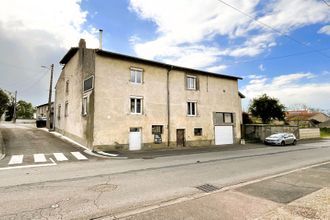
[(289, 59)]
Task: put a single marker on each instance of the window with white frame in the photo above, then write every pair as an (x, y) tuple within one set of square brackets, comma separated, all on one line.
[(191, 108), (66, 109), (136, 105), (191, 82), (84, 110), (88, 83), (136, 75)]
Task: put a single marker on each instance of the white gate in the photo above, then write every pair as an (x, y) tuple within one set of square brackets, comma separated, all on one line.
[(135, 139), (223, 135)]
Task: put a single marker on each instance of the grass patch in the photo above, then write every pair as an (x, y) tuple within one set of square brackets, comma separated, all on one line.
[(325, 132)]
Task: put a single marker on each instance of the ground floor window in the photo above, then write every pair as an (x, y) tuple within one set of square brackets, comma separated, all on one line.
[(198, 131), (84, 109)]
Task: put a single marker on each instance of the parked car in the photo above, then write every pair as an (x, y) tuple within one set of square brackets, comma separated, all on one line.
[(41, 122), (281, 139)]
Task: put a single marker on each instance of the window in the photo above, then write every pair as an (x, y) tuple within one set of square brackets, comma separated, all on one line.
[(66, 109), (198, 131), (191, 82), (88, 83), (228, 118), (67, 86), (84, 110), (136, 75), (136, 105), (157, 129), (192, 108), (59, 111)]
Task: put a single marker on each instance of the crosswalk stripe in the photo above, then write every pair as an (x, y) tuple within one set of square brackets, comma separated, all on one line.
[(60, 156), (16, 159), (79, 155), (39, 158)]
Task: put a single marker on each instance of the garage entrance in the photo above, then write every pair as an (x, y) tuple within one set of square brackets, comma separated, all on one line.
[(223, 135)]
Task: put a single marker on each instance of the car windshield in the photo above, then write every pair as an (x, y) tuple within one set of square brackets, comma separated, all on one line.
[(276, 136)]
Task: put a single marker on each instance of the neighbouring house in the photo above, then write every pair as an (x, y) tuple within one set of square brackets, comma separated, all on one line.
[(305, 118), (42, 111), (325, 124), (106, 100)]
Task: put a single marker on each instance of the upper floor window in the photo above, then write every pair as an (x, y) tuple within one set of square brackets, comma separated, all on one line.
[(228, 117), (191, 82), (136, 75), (191, 108), (66, 109), (67, 86), (88, 83), (136, 105)]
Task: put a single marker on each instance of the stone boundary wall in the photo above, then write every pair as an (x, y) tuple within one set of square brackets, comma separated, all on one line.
[(308, 133)]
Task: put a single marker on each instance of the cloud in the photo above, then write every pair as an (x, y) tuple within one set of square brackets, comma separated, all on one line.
[(35, 33), (325, 30), (261, 67), (187, 24), (290, 89)]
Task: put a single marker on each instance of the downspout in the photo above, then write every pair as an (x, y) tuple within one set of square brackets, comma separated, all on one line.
[(168, 106)]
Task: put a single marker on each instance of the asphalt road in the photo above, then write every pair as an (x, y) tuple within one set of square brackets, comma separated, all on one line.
[(24, 141), (105, 187)]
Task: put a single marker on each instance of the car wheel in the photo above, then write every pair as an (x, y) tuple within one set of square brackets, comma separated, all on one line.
[(282, 143), (294, 142)]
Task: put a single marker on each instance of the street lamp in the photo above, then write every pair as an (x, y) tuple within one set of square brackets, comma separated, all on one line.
[(50, 95)]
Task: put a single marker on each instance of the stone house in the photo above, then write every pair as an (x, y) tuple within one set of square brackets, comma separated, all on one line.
[(106, 100), (305, 118), (42, 110)]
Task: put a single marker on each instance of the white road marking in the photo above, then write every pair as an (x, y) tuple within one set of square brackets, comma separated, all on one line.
[(60, 157), (16, 159), (79, 155), (30, 166), (39, 158)]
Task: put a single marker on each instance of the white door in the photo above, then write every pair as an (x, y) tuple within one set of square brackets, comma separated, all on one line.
[(223, 135), (135, 139)]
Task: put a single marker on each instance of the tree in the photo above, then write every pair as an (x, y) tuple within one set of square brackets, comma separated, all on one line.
[(4, 102), (246, 118), (24, 110), (267, 109)]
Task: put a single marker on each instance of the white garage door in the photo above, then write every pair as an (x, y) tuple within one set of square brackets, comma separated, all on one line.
[(223, 135)]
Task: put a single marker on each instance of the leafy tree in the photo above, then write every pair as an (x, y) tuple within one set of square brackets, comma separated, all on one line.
[(246, 118), (4, 101), (267, 109), (24, 110)]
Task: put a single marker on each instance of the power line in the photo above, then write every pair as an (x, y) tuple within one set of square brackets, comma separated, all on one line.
[(276, 57), (271, 28), (326, 2)]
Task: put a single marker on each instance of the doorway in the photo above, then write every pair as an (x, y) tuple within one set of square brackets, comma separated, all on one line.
[(180, 137)]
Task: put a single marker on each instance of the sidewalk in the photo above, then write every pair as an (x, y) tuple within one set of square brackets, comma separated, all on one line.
[(303, 194)]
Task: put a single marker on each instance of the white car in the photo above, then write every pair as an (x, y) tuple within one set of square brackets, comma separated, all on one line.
[(281, 139)]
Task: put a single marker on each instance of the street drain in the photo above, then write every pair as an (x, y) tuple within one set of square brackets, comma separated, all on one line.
[(207, 188)]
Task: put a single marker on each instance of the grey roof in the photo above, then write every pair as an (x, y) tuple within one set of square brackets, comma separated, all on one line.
[(325, 124), (73, 51)]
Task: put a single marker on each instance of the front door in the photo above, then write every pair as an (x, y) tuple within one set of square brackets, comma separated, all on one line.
[(180, 139), (135, 139)]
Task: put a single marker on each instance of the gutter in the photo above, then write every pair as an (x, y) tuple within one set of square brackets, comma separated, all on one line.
[(168, 105)]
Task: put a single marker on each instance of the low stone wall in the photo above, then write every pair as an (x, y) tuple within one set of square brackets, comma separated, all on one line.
[(308, 133), (258, 132)]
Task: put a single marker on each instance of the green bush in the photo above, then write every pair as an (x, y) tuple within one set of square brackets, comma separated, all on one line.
[(325, 132)]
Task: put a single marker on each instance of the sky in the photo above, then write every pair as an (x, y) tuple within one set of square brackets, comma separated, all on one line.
[(278, 47)]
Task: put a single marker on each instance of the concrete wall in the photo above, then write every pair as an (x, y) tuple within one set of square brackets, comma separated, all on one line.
[(113, 120), (308, 133), (258, 132)]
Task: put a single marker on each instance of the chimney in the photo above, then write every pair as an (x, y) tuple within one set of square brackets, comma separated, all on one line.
[(100, 38), (82, 43)]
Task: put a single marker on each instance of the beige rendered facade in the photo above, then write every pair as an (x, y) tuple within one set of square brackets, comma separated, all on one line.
[(109, 101)]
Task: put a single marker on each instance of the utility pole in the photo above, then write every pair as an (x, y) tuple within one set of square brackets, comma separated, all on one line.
[(14, 114), (50, 97)]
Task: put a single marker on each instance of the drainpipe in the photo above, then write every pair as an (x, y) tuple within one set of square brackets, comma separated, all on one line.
[(168, 106)]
